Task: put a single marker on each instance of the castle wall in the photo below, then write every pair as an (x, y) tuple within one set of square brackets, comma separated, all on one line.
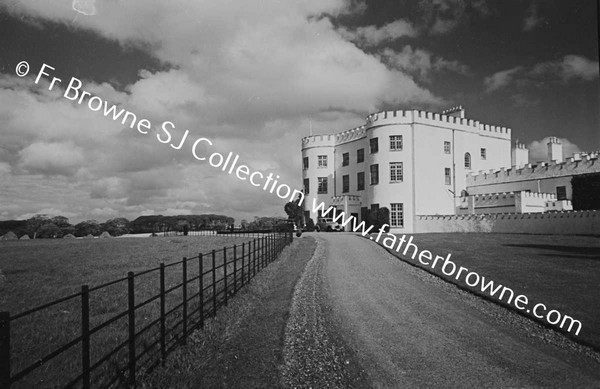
[(560, 223)]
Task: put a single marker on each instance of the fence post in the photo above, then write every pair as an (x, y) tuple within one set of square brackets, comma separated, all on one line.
[(85, 336), (214, 282), (234, 269), (243, 255), (184, 285), (163, 322), (201, 289), (4, 350), (131, 311), (225, 273), (254, 257)]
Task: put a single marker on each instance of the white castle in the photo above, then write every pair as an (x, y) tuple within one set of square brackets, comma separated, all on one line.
[(419, 163)]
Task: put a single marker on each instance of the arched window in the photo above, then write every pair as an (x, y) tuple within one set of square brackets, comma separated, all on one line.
[(467, 161)]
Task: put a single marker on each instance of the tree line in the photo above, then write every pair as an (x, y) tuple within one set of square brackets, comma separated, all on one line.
[(44, 226)]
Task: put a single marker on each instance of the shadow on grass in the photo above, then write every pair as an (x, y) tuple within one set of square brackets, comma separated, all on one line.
[(582, 252)]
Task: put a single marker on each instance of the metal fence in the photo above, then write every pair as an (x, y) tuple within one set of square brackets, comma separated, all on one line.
[(163, 306)]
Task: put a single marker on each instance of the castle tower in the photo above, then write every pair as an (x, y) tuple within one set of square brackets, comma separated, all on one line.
[(555, 150), (520, 155)]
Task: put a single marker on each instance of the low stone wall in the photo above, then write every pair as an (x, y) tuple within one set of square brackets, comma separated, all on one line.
[(561, 223)]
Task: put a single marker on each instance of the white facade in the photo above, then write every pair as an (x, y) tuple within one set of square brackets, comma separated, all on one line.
[(414, 163)]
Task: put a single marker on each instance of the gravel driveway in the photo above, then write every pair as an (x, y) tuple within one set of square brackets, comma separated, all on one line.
[(360, 317)]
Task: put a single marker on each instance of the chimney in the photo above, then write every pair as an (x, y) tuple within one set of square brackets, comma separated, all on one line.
[(458, 112), (520, 155), (555, 152)]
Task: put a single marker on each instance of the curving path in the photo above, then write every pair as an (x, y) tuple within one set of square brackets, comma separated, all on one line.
[(409, 329)]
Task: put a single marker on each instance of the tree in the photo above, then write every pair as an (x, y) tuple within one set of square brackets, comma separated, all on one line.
[(116, 227), (49, 230), (294, 211), (88, 227), (34, 223)]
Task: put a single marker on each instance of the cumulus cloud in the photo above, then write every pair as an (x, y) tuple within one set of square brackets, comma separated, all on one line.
[(443, 16), (567, 69), (373, 35), (421, 63), (532, 17), (254, 83), (538, 149), (51, 158)]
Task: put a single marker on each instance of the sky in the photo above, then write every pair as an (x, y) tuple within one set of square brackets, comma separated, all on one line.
[(254, 77)]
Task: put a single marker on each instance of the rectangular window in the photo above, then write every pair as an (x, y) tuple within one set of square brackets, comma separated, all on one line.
[(360, 181), (561, 193), (374, 144), (322, 161), (305, 163), (447, 147), (322, 188), (374, 174), (447, 176), (396, 172), (483, 153), (360, 155), (306, 185), (345, 159), (395, 142), (375, 207), (397, 215), (345, 183)]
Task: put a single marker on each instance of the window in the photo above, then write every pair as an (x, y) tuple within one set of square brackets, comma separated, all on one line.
[(306, 185), (396, 172), (375, 207), (397, 215), (374, 144), (345, 183), (360, 181), (374, 174), (467, 160), (360, 155), (447, 176), (345, 159), (305, 163), (561, 193), (322, 161), (447, 147), (483, 153), (322, 189), (395, 142)]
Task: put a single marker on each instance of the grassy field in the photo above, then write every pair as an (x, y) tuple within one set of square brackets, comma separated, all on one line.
[(39, 271), (562, 272)]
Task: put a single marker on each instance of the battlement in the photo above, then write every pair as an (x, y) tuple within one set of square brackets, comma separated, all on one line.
[(435, 119), (582, 165), (350, 135), (318, 141), (500, 195)]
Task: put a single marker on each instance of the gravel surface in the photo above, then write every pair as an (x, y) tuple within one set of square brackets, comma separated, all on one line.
[(411, 329), (314, 356)]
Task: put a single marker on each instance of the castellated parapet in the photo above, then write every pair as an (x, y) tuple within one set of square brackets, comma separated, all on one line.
[(588, 163), (334, 139), (436, 119)]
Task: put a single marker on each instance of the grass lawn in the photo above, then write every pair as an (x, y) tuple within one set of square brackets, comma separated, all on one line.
[(40, 271), (562, 272), (243, 346)]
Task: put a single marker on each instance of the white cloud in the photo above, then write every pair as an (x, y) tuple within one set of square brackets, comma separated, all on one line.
[(420, 62), (538, 149), (500, 79), (372, 35), (252, 79), (569, 68), (51, 158), (532, 17)]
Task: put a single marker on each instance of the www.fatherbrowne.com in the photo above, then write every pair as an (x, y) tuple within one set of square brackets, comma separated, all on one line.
[(451, 269)]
